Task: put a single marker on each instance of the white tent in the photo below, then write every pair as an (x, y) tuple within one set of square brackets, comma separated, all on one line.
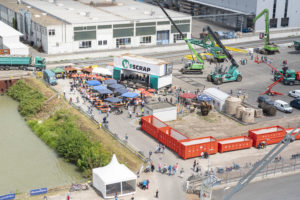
[(114, 178), (102, 71)]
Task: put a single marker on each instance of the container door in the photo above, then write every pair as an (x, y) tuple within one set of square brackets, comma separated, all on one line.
[(154, 82), (116, 73)]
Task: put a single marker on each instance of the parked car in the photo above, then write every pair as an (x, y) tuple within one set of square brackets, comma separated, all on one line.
[(265, 99), (294, 93), (283, 106), (295, 103)]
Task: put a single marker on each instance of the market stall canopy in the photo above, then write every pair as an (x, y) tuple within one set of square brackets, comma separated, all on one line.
[(141, 89), (74, 75), (121, 90), (187, 95), (129, 95), (87, 70), (103, 71), (100, 87), (204, 97), (114, 178), (113, 100), (70, 69), (116, 86), (58, 70), (110, 81), (93, 83), (104, 91)]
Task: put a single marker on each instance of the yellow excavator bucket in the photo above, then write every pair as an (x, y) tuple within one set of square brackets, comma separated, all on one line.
[(203, 56), (235, 49)]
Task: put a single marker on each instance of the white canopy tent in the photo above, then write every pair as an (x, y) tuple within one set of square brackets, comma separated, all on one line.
[(114, 178), (102, 71)]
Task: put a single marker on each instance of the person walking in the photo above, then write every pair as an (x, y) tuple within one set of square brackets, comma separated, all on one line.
[(99, 125), (156, 194), (130, 114), (194, 165), (143, 110), (126, 137), (181, 173), (77, 99)]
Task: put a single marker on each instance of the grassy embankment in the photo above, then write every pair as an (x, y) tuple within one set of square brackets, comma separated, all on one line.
[(65, 129)]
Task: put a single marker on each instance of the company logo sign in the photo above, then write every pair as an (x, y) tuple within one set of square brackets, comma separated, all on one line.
[(127, 65)]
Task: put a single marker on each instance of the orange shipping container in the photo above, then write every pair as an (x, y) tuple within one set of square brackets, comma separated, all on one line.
[(269, 135), (151, 124), (290, 129), (191, 148), (170, 138), (234, 143)]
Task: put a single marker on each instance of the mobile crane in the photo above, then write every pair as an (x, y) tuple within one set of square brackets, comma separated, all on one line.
[(269, 157), (196, 65), (269, 48), (220, 76)]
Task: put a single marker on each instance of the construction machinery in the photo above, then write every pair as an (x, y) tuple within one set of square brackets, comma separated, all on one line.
[(194, 66), (209, 44), (269, 48), (22, 63), (220, 76), (297, 45), (290, 76), (269, 90)]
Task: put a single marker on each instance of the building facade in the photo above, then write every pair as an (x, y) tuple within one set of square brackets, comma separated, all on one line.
[(239, 14), (66, 26)]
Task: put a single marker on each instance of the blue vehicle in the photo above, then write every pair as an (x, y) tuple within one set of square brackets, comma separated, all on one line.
[(49, 77), (295, 103)]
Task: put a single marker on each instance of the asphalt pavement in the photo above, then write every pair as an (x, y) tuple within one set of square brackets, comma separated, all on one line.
[(286, 188)]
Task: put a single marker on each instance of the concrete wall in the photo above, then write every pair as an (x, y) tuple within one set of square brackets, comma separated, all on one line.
[(293, 13), (247, 6)]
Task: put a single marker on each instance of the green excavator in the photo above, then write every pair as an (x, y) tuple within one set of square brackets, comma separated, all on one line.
[(209, 44), (297, 45), (194, 66), (220, 76), (269, 48)]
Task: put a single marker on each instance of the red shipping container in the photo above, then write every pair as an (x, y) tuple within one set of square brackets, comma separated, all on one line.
[(290, 129), (151, 124), (269, 135), (191, 148), (298, 76), (170, 137), (234, 143)]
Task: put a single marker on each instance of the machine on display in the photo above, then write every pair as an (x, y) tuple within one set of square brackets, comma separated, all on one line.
[(209, 44), (269, 48), (290, 76), (22, 63), (220, 76), (297, 45), (196, 65)]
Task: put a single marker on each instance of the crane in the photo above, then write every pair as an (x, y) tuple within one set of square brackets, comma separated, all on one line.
[(268, 47), (269, 157), (269, 88), (220, 76), (197, 64)]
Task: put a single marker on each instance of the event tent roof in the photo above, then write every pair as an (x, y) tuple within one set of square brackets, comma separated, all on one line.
[(103, 71), (129, 95), (116, 86), (104, 91), (121, 90), (113, 99), (114, 172), (100, 87), (93, 83), (110, 81), (58, 70)]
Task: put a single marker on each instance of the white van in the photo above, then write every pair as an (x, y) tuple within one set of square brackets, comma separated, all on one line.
[(283, 106), (294, 93)]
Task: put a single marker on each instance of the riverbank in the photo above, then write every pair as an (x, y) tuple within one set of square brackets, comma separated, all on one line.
[(56, 118)]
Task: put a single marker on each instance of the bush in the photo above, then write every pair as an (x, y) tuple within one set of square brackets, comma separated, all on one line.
[(31, 100), (61, 133)]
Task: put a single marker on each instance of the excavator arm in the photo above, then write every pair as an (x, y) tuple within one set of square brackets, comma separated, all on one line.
[(266, 13), (181, 34)]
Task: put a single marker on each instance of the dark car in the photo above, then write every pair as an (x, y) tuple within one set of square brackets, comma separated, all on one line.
[(265, 99), (295, 103)]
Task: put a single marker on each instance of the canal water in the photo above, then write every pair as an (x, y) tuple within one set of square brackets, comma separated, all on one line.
[(26, 162)]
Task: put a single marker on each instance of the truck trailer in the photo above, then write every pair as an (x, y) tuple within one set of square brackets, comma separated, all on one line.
[(22, 63)]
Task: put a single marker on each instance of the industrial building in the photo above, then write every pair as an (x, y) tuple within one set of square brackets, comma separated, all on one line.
[(239, 14), (10, 41), (66, 26)]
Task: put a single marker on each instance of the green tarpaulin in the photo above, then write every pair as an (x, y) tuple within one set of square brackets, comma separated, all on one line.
[(58, 70)]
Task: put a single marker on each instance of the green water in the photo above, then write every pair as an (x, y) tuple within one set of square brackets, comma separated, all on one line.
[(26, 162)]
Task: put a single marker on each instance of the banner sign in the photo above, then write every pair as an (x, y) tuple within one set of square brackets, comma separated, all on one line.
[(7, 197), (38, 191), (142, 65)]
